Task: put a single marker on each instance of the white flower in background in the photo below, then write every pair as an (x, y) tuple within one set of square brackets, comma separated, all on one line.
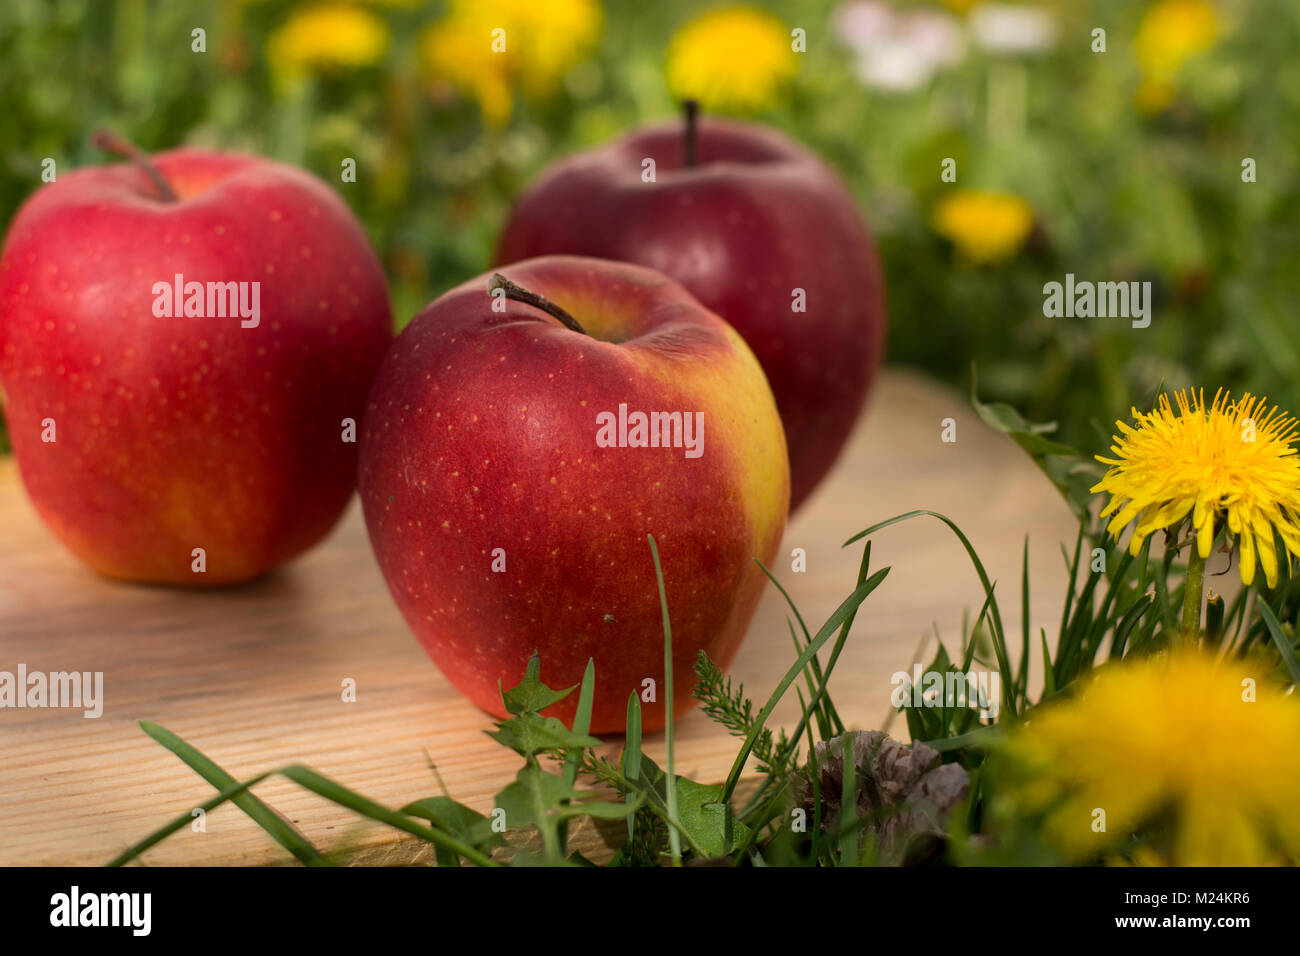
[(1014, 30), (898, 50), (863, 23)]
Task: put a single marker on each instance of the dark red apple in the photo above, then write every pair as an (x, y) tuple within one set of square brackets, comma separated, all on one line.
[(198, 439), (755, 219), (508, 492)]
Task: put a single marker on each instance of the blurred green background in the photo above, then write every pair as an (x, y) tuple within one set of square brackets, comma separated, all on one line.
[(1119, 165)]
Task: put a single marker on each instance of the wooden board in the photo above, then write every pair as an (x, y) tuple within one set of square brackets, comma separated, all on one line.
[(252, 675)]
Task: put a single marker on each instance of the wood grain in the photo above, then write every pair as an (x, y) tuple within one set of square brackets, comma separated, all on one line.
[(252, 675)]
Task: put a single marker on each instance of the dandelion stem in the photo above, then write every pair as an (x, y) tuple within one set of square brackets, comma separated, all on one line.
[(1193, 591)]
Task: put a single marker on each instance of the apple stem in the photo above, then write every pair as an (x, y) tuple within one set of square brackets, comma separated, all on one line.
[(692, 110), (520, 294), (110, 142)]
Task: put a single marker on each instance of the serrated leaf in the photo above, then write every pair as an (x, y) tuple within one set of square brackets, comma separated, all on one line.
[(530, 695), (531, 800), (531, 733)]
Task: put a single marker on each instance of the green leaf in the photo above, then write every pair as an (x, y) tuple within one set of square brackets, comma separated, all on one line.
[(1008, 421), (652, 786), (601, 809), (531, 696), (705, 817), (1072, 475), (534, 798), (279, 829), (457, 819), (531, 733)]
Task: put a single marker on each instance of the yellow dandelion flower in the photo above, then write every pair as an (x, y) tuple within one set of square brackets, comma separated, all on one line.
[(487, 48), (735, 59), (551, 38), (328, 37), (1208, 746), (1173, 30), (460, 53), (1153, 95), (1230, 461), (986, 227)]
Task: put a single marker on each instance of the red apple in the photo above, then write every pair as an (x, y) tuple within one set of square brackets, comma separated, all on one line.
[(507, 517), (174, 431), (754, 218)]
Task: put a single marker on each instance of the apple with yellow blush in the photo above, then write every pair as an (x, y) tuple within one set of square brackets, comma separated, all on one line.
[(525, 434)]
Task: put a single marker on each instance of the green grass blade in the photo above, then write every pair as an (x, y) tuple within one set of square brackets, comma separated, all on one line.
[(822, 726), (849, 806), (815, 772), (1126, 624), (969, 654), (849, 605), (1161, 581), (581, 724), (826, 712), (999, 633), (1022, 676), (632, 748), (280, 830), (323, 786), (1280, 639), (823, 693), (1072, 582), (1049, 678), (978, 737), (582, 719), (185, 819), (670, 780)]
